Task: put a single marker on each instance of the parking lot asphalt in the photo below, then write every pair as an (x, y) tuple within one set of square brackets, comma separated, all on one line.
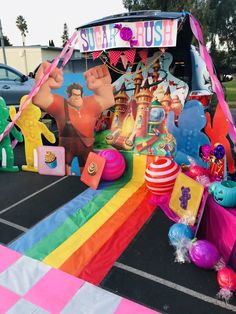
[(146, 271)]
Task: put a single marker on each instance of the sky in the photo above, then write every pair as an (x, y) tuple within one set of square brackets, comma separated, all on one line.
[(45, 18)]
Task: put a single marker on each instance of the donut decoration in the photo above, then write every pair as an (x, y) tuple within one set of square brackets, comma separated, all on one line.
[(161, 174), (114, 166)]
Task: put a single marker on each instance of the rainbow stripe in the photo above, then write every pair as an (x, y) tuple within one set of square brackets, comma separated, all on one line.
[(73, 237)]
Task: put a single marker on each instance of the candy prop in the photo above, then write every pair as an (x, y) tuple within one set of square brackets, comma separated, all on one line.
[(188, 134), (126, 34), (204, 254), (186, 198), (115, 164), (32, 129), (224, 193), (161, 174), (178, 233), (6, 150), (51, 160), (226, 278)]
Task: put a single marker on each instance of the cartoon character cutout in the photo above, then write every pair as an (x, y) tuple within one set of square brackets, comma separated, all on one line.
[(188, 134), (75, 116), (217, 132), (32, 129), (6, 150)]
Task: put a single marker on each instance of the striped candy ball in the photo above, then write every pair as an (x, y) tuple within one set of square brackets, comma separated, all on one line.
[(161, 174), (114, 166)]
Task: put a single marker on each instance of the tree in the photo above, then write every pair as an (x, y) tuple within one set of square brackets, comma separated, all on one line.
[(22, 25), (217, 19), (65, 35), (6, 41)]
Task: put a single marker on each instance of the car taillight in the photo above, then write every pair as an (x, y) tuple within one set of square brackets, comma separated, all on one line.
[(203, 98)]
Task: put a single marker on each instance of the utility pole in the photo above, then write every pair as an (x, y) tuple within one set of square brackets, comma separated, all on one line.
[(2, 43)]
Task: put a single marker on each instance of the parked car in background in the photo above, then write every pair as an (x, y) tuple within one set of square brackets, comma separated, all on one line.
[(14, 85)]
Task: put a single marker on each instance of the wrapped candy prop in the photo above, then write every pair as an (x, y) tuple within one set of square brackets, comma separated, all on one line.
[(226, 278), (161, 174), (180, 236), (114, 166), (179, 232), (126, 34), (204, 254)]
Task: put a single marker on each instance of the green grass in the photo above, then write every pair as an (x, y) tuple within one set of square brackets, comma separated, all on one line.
[(231, 92)]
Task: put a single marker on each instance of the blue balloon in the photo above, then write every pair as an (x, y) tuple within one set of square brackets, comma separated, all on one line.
[(179, 232)]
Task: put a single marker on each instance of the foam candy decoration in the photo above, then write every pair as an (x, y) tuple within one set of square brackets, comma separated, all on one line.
[(161, 174), (204, 254), (32, 129), (6, 149), (188, 134), (114, 166)]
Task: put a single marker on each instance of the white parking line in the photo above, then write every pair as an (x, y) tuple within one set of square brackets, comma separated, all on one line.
[(32, 195), (175, 286), (11, 224)]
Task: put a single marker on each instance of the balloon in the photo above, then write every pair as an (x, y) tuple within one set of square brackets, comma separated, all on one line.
[(219, 151), (161, 174), (114, 166), (179, 232), (204, 254)]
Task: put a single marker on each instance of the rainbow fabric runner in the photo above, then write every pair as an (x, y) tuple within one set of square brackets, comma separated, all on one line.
[(78, 236), (29, 286)]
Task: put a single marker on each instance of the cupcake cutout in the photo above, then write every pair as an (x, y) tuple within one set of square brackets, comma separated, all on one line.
[(50, 159)]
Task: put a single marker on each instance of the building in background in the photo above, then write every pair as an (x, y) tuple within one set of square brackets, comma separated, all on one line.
[(26, 59)]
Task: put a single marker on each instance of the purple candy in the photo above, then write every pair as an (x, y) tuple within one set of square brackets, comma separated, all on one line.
[(126, 33), (204, 254)]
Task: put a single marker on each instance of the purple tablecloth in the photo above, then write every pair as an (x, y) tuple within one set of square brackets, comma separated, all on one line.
[(218, 225)]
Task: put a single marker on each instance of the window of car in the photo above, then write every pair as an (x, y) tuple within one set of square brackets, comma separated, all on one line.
[(7, 75)]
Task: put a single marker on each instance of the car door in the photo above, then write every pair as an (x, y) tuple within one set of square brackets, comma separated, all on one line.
[(11, 86)]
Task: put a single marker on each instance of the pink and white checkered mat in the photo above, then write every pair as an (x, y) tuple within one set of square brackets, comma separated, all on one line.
[(29, 286)]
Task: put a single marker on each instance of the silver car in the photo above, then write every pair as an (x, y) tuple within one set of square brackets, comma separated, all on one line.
[(14, 85)]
